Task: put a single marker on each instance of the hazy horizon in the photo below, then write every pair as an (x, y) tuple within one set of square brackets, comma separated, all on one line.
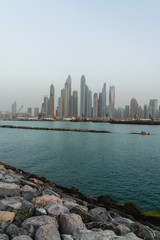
[(41, 42)]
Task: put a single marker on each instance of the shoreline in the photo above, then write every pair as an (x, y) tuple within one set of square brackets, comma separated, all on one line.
[(149, 218)]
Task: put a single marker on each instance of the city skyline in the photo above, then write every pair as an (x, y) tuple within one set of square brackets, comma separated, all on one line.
[(116, 42)]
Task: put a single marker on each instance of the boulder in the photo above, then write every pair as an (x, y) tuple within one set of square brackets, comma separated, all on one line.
[(42, 201), (47, 232), (38, 221), (4, 237), (55, 209), (131, 208), (101, 215), (4, 226), (40, 212), (7, 189), (29, 193), (50, 192), (6, 216), (125, 221), (14, 231), (70, 222), (25, 182), (22, 208), (99, 225), (121, 230), (86, 217), (142, 231), (22, 237), (132, 236), (66, 237)]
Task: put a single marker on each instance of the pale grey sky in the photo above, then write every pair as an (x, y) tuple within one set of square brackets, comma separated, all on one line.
[(112, 41)]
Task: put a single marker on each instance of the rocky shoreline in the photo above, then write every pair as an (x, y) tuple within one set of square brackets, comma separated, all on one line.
[(33, 208)]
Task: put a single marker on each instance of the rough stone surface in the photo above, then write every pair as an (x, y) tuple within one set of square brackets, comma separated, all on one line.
[(99, 225), (7, 189), (121, 220), (6, 216), (70, 222), (47, 232), (38, 221), (22, 237), (14, 231), (40, 212), (121, 230), (86, 217), (29, 193), (4, 237), (42, 201), (66, 237), (50, 192), (101, 215), (55, 209), (142, 232)]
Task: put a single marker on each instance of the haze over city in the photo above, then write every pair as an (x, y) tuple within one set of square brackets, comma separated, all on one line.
[(41, 42)]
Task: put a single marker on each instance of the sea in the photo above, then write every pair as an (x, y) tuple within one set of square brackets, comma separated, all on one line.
[(119, 164)]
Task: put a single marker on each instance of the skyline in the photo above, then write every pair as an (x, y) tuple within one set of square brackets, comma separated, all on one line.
[(116, 42)]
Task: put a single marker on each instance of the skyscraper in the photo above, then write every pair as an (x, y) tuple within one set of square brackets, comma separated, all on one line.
[(82, 95), (153, 103), (45, 106), (75, 104), (103, 113), (133, 108), (95, 105), (14, 107), (67, 97), (52, 92), (111, 100)]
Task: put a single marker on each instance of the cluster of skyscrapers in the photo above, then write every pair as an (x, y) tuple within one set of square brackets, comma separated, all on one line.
[(90, 105)]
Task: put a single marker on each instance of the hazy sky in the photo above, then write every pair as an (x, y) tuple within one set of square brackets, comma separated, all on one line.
[(112, 41)]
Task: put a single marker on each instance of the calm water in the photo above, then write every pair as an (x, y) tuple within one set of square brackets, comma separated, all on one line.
[(121, 165)]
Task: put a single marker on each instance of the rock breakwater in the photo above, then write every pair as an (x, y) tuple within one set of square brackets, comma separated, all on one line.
[(32, 208)]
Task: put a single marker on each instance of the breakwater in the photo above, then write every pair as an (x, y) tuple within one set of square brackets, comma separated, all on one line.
[(33, 208), (55, 129)]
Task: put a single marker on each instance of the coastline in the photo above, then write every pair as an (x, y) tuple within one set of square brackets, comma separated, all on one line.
[(128, 211)]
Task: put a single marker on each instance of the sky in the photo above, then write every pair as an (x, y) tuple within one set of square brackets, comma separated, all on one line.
[(112, 41)]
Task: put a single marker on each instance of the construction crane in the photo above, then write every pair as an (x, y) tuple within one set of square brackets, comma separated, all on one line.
[(15, 116), (53, 116)]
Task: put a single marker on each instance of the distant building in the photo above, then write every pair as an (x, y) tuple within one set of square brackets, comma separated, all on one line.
[(153, 103), (100, 105), (95, 105), (126, 112), (36, 112), (75, 104), (111, 100), (30, 111), (133, 108), (82, 95), (14, 107), (52, 92), (45, 107), (67, 97), (60, 107), (103, 112), (145, 112)]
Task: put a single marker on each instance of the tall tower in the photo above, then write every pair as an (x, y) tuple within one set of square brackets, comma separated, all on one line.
[(75, 103), (51, 100), (82, 95), (103, 114), (133, 108), (153, 103), (111, 100), (95, 105), (46, 106), (14, 107), (67, 97)]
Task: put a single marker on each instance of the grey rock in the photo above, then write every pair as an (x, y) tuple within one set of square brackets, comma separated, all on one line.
[(14, 231), (142, 231), (121, 220), (29, 193), (132, 236), (4, 226), (30, 230), (22, 237), (38, 221), (1, 176), (121, 230), (66, 237), (99, 225), (86, 217), (22, 208), (40, 212), (50, 192), (101, 215), (47, 232), (7, 189), (70, 222), (4, 237), (25, 182), (55, 209)]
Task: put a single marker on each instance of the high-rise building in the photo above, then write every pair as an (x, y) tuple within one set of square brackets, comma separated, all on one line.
[(82, 95), (36, 112), (67, 97), (153, 103), (126, 112), (30, 111), (100, 105), (14, 107), (103, 113), (111, 100), (52, 93), (95, 105), (145, 112), (60, 107), (45, 107), (133, 108), (75, 104)]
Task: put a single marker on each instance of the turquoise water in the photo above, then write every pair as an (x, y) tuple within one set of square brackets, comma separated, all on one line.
[(119, 164)]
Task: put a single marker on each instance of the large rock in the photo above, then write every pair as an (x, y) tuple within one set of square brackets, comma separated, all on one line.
[(50, 192), (101, 215), (4, 237), (121, 230), (40, 212), (38, 221), (55, 209), (70, 222), (22, 208), (86, 217), (99, 225), (42, 201), (142, 231), (7, 189), (22, 237), (29, 193), (14, 231), (47, 232), (66, 237), (6, 216), (120, 220)]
